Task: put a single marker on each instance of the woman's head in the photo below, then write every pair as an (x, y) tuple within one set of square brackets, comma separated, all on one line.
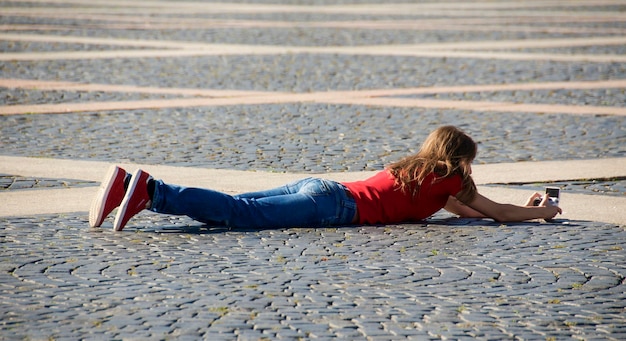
[(446, 151), (449, 146)]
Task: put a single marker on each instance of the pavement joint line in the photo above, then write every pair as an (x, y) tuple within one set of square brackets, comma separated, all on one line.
[(606, 208), (136, 105), (220, 50), (76, 86), (484, 9), (521, 43), (483, 106), (574, 85), (424, 25), (460, 24), (526, 29), (425, 47), (91, 87), (162, 44), (557, 57)]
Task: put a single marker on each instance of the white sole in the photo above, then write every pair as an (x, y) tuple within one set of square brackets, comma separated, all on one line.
[(97, 205)]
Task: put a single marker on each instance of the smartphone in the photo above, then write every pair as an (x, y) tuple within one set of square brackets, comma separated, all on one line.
[(554, 193)]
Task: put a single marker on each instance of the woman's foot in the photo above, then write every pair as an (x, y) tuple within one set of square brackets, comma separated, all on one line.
[(136, 199), (109, 196)]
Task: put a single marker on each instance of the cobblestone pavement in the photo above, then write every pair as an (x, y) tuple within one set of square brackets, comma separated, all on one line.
[(427, 281), (303, 138), (310, 86)]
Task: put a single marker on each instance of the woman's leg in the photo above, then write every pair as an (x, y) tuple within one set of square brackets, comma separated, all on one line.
[(290, 188), (315, 203)]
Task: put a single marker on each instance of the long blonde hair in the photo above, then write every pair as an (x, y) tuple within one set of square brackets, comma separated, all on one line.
[(447, 151)]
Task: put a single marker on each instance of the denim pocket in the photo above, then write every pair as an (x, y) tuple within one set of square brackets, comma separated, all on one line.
[(316, 187)]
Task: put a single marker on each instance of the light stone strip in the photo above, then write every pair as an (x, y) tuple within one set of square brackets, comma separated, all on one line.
[(417, 27), (409, 24), (426, 47), (522, 56), (574, 85), (117, 22), (485, 106), (115, 54), (255, 100), (527, 29), (517, 44), (135, 105), (484, 9), (156, 44), (55, 201), (420, 27), (223, 49), (73, 86), (400, 24)]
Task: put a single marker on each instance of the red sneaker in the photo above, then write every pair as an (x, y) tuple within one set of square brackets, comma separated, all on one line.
[(135, 200), (109, 196)]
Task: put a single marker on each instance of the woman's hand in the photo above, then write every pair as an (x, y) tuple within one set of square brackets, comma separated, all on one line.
[(554, 210), (545, 202)]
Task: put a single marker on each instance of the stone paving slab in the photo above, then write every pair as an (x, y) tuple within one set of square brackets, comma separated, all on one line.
[(16, 183)]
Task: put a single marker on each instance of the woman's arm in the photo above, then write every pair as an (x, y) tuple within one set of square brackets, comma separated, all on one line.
[(455, 206), (510, 213)]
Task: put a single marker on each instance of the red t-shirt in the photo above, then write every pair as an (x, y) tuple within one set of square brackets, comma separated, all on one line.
[(379, 199)]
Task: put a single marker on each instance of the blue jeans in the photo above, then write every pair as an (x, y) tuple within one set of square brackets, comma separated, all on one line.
[(310, 202)]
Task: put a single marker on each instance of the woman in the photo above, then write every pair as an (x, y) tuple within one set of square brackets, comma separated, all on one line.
[(412, 189)]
